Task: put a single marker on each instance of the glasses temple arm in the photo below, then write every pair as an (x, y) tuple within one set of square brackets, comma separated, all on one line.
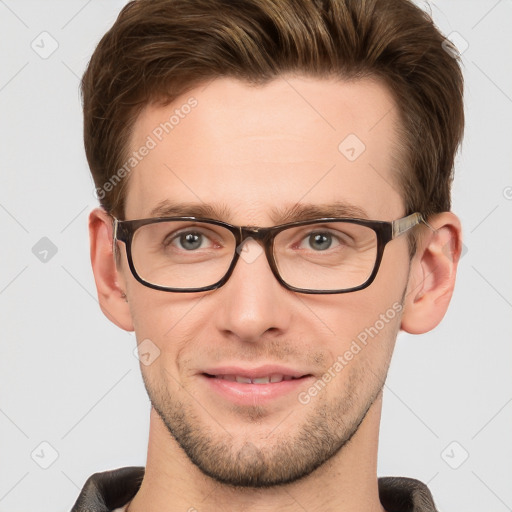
[(115, 225), (400, 226)]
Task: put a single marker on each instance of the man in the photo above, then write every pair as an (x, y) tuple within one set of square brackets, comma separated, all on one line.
[(274, 179)]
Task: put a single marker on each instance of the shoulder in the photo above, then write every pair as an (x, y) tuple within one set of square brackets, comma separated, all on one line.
[(400, 494), (108, 490)]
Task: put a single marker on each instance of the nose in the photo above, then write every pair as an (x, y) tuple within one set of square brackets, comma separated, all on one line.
[(252, 304)]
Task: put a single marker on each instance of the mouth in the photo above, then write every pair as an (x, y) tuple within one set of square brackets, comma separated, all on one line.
[(256, 385), (264, 379)]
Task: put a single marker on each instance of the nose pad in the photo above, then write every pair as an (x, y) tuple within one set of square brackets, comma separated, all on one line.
[(250, 250)]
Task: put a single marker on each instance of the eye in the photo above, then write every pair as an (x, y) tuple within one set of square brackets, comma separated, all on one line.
[(190, 241), (187, 240), (320, 241)]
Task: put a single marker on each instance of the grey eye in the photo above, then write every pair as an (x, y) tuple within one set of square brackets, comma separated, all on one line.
[(190, 241), (320, 241)]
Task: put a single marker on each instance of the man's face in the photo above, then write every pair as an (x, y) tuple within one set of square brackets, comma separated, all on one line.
[(247, 151)]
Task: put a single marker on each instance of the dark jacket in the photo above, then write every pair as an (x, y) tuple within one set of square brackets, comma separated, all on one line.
[(104, 492)]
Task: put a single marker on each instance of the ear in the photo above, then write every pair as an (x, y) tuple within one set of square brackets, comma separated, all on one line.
[(432, 276), (109, 280)]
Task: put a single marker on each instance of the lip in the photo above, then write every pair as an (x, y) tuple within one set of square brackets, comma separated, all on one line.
[(259, 371), (251, 393)]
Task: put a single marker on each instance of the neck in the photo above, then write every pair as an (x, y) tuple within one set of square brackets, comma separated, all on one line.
[(347, 482)]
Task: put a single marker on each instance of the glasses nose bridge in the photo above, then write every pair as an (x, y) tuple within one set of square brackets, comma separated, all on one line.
[(263, 236), (260, 235)]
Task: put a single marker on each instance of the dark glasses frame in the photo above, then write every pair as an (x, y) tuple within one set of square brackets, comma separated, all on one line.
[(123, 231)]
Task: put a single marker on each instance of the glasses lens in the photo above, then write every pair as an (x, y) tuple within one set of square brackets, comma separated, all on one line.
[(326, 255), (182, 254)]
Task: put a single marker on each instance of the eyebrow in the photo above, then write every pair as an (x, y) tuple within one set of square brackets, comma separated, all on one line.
[(279, 215)]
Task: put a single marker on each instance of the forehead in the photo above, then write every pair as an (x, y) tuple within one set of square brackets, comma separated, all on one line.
[(251, 150)]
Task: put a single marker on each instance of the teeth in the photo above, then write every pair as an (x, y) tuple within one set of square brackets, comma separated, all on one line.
[(261, 380), (257, 380)]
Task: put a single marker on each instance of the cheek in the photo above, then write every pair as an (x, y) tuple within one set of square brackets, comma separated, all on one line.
[(159, 314), (163, 326), (346, 315), (361, 359), (360, 328)]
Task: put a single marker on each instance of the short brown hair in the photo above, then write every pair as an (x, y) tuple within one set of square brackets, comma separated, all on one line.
[(158, 49)]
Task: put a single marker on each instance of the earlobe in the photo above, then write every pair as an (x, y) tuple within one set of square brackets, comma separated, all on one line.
[(109, 280), (432, 275)]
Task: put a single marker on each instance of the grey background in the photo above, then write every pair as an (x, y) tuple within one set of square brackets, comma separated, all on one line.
[(68, 377)]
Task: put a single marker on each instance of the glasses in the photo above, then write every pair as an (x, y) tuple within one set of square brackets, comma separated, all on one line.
[(320, 256)]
